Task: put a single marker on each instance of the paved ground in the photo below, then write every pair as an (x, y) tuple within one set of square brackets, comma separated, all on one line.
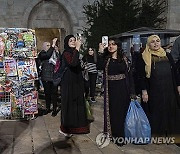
[(40, 136)]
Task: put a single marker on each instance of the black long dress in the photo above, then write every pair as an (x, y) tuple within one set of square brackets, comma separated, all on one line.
[(73, 113), (163, 111), (117, 97)]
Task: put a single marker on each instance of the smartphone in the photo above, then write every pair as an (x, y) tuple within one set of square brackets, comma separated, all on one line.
[(105, 41), (78, 36)]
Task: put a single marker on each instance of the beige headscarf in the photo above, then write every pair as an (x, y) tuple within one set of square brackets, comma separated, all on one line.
[(146, 55)]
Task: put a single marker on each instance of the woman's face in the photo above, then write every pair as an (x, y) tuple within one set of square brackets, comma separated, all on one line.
[(112, 47), (72, 42), (90, 51), (56, 48), (155, 44)]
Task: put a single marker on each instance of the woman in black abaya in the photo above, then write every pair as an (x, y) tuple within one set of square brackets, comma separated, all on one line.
[(73, 113), (159, 89), (118, 86)]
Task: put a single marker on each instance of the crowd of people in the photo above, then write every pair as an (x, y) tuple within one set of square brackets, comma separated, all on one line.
[(158, 74)]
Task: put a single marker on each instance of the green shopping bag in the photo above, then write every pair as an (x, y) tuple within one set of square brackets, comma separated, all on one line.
[(89, 112)]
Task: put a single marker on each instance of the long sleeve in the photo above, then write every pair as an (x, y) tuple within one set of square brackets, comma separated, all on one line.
[(141, 74), (131, 82), (84, 59), (45, 55), (178, 72), (176, 67), (101, 62), (176, 50), (72, 59)]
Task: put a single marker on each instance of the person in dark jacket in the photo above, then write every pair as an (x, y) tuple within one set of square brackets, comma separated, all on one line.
[(48, 57), (90, 60), (159, 89), (73, 109), (175, 52)]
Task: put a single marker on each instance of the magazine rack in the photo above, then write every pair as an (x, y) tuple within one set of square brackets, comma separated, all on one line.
[(18, 72)]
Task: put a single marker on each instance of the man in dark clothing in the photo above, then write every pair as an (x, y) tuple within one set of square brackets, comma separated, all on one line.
[(48, 57), (175, 52)]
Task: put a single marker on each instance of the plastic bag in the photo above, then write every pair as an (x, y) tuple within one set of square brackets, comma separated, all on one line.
[(89, 112), (137, 127)]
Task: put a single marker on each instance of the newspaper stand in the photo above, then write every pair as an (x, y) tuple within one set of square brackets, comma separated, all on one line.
[(18, 72)]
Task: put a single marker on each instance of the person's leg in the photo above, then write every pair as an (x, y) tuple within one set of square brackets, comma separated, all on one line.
[(47, 92), (86, 87), (54, 97), (92, 79)]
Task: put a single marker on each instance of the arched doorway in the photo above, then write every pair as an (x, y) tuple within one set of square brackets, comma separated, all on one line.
[(50, 20)]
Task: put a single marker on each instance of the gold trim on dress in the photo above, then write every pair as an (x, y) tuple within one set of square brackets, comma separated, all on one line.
[(116, 77)]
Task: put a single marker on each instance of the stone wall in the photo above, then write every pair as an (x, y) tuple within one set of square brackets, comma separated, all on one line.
[(173, 21), (66, 14)]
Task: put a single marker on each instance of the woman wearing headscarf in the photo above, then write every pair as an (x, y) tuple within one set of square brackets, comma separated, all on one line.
[(48, 57), (159, 88), (73, 109)]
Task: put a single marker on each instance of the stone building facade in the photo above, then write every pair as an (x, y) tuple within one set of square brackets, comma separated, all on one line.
[(173, 16), (64, 16), (47, 17)]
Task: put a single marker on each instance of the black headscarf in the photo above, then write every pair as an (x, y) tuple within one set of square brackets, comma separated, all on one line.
[(66, 40)]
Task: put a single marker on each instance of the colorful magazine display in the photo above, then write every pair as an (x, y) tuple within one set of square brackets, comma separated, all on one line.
[(18, 72)]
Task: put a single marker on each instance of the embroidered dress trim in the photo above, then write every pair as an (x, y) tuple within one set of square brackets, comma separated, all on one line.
[(79, 130), (116, 77), (107, 127)]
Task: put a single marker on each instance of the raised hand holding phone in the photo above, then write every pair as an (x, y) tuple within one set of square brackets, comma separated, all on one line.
[(54, 42), (78, 36), (101, 48), (105, 41), (78, 44)]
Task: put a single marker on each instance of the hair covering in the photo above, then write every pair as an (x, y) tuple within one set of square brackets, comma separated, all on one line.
[(44, 46), (66, 40), (146, 55)]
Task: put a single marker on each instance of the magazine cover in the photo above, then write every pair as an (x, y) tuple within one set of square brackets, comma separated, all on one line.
[(2, 46), (10, 67), (16, 106), (27, 69), (2, 72), (30, 103), (5, 109)]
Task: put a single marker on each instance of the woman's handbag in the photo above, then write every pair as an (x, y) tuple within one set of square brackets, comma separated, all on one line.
[(85, 72), (59, 70), (85, 75), (89, 112), (137, 126)]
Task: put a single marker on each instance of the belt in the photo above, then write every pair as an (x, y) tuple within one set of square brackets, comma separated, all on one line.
[(116, 77)]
